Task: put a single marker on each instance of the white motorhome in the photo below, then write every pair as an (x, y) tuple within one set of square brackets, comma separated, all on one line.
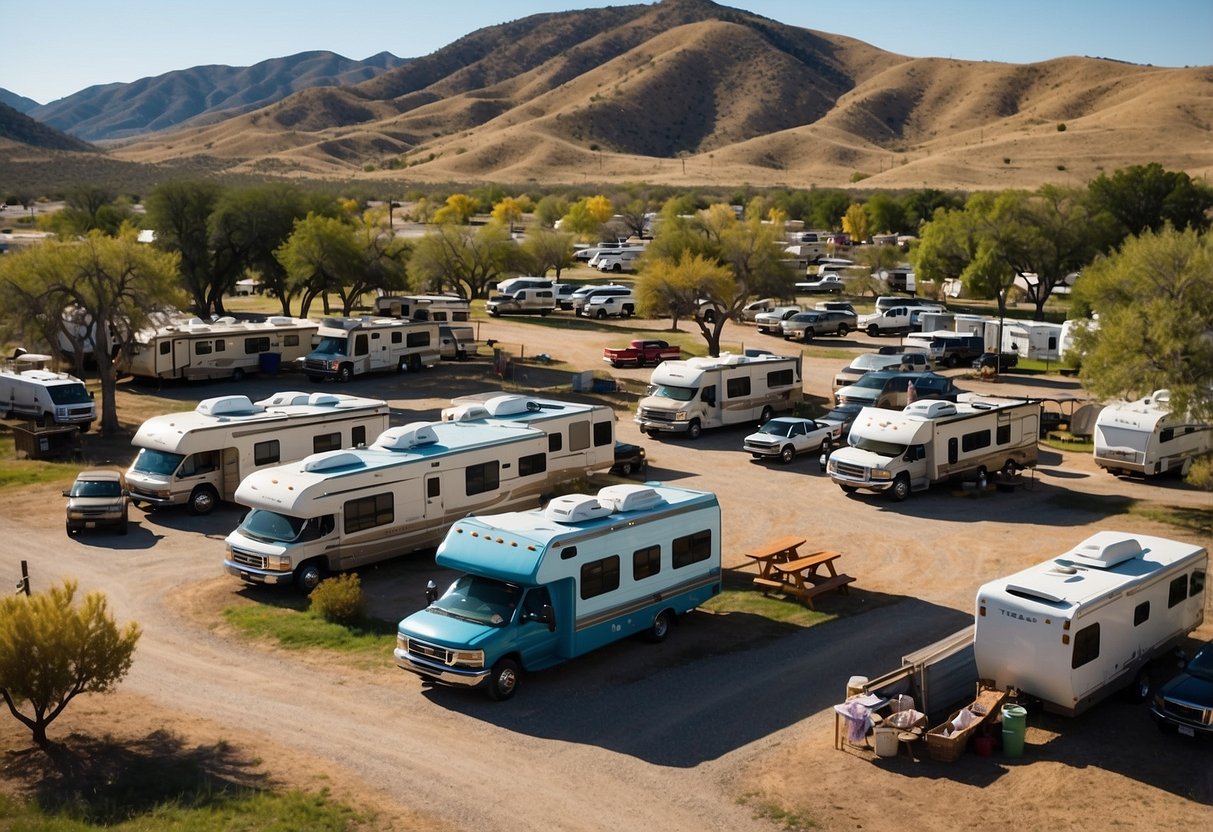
[(543, 586), (441, 308), (1145, 437), (1032, 339), (581, 437), (352, 346), (224, 348), (1087, 623), (342, 509), (199, 456), (931, 441), (29, 391), (699, 393)]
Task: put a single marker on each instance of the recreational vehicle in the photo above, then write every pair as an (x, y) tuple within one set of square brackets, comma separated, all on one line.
[(224, 348), (1076, 628), (29, 391), (352, 346), (342, 509), (547, 585), (1032, 339), (581, 437), (1144, 437), (199, 456), (699, 393), (441, 308), (931, 441)]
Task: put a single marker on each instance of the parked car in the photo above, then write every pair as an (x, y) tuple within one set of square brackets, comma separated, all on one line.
[(840, 419), (583, 295), (610, 305), (641, 352), (752, 309), (868, 361), (807, 325), (629, 460), (890, 389), (97, 498), (1185, 704), (772, 322), (996, 361), (835, 306), (829, 283), (786, 436)]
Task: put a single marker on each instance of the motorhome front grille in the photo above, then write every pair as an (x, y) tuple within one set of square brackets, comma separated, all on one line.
[(1189, 713), (849, 469), (656, 415), (315, 364), (248, 559), (429, 651)]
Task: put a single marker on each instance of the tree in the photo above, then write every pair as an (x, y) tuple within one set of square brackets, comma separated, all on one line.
[(52, 651), (855, 223), (885, 214), (509, 211), (458, 210), (547, 249), (1154, 299), (322, 256), (90, 208), (674, 288), (178, 212), (467, 260), (1146, 197), (549, 209), (634, 216)]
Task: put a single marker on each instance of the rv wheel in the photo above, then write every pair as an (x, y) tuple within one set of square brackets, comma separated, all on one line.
[(345, 373), (503, 679), (659, 631), (309, 575), (694, 430), (787, 454), (203, 500), (766, 416), (901, 488), (1009, 468), (237, 374), (415, 363), (1142, 686), (983, 479)]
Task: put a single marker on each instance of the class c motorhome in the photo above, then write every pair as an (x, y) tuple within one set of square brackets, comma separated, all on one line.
[(1145, 437), (352, 346), (29, 391), (544, 586), (198, 457), (225, 348), (1078, 627)]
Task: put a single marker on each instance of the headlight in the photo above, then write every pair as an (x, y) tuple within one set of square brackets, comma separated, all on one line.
[(402, 643), (280, 563), (881, 474), (641, 454), (333, 365), (680, 416), (467, 658)]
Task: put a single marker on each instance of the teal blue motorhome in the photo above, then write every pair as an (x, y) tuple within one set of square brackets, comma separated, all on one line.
[(546, 585)]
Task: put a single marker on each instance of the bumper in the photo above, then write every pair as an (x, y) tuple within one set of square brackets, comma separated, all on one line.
[(257, 576), (440, 672), (154, 499), (652, 425), (1190, 729), (867, 485), (762, 450)]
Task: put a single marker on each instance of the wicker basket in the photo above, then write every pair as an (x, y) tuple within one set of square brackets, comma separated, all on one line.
[(947, 748)]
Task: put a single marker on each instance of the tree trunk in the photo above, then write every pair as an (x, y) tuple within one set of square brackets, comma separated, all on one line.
[(109, 379)]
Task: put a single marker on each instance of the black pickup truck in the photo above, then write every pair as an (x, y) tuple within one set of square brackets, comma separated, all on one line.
[(996, 361)]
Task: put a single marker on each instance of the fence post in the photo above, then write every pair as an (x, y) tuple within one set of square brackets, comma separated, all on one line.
[(23, 584)]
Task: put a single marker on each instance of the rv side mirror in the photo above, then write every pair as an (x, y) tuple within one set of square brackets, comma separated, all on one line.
[(67, 493), (431, 593)]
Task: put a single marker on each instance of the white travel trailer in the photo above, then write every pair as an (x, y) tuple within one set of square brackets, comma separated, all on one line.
[(581, 437), (352, 346), (199, 456), (699, 393), (224, 348), (29, 391), (441, 308), (342, 509), (1144, 437), (1032, 339), (1080, 626)]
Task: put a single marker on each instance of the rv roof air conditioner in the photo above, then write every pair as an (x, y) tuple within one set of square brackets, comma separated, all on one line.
[(468, 413), (331, 461), (629, 497), (407, 436), (1160, 397), (285, 398), (1103, 550), (930, 408), (228, 406), (279, 320), (575, 508), (511, 404), (324, 400)]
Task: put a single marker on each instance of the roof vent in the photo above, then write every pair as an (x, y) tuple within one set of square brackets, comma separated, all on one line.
[(466, 413), (331, 461), (285, 398), (575, 508), (228, 406), (1103, 550), (407, 436), (324, 399), (279, 320), (629, 497), (930, 408)]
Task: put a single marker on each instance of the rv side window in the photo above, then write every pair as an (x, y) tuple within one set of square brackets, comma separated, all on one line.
[(253, 346), (219, 345), (603, 435), (326, 442), (735, 388), (1196, 584), (265, 453), (368, 512), (646, 562), (397, 337), (974, 441), (1166, 435), (202, 348), (1004, 434), (165, 347), (555, 442), (568, 553), (483, 477), (1141, 613), (418, 339), (579, 436), (1179, 591), (199, 463), (533, 464), (433, 487), (779, 378), (599, 577), (361, 344), (290, 340), (358, 435), (692, 548), (1086, 646)]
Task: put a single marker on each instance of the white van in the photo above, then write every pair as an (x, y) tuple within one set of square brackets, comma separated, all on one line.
[(620, 260), (28, 390)]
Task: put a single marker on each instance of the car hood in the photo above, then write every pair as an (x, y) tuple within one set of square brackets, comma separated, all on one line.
[(1189, 688), (446, 630), (94, 502)]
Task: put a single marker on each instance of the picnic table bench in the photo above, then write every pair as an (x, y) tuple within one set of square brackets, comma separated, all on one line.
[(783, 569)]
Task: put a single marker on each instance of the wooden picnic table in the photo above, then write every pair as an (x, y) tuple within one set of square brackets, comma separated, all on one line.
[(779, 550), (803, 576)]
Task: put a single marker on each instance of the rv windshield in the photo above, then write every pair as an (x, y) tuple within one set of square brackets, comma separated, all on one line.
[(330, 346), (877, 447), (69, 394), (668, 391), (271, 527), (156, 462), (482, 600)]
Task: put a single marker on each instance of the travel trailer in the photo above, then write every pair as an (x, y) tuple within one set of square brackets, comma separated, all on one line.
[(29, 391), (198, 457), (544, 586), (1032, 339), (224, 348), (1087, 623), (441, 308), (1144, 437), (352, 346), (931, 441), (699, 393), (342, 509)]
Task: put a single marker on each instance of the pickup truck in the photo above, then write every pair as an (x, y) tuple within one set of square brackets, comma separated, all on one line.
[(641, 352)]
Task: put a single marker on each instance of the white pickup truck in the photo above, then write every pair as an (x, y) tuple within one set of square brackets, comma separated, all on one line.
[(894, 320)]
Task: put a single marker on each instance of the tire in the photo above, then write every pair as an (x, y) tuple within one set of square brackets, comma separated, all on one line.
[(627, 311), (1008, 469), (766, 415), (983, 479), (873, 330), (601, 314), (309, 574), (503, 680), (694, 430), (494, 313), (345, 373), (843, 330), (808, 336), (953, 361), (415, 363), (787, 454), (848, 489), (825, 445), (237, 374), (69, 529), (901, 488), (402, 364), (617, 268), (659, 630), (625, 469), (1142, 687), (203, 500)]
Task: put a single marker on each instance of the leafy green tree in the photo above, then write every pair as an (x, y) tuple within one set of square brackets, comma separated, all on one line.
[(955, 246), (90, 208), (827, 208), (466, 260), (459, 210), (320, 257), (874, 259), (548, 250), (920, 206), (51, 651), (178, 212), (1147, 197), (549, 209), (675, 288), (885, 214), (1154, 300)]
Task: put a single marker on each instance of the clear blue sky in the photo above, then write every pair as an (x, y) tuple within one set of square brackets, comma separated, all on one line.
[(65, 46)]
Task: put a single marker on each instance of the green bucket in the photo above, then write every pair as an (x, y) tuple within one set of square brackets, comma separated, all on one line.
[(1014, 725)]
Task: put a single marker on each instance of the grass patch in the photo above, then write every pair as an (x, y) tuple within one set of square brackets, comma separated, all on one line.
[(1194, 520), (296, 628), (1062, 443), (21, 473), (792, 820), (780, 610)]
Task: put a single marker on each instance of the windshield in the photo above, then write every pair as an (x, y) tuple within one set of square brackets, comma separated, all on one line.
[(482, 600), (668, 391), (96, 488), (330, 346), (271, 527), (840, 414), (777, 427), (156, 462), (871, 382), (1201, 665), (871, 361), (877, 447), (69, 394)]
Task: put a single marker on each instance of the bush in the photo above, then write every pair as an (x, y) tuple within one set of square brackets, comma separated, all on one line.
[(340, 600)]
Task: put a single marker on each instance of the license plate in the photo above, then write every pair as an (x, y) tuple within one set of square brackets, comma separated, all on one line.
[(1186, 731), (90, 524)]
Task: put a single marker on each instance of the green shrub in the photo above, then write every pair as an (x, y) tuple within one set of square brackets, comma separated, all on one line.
[(340, 600)]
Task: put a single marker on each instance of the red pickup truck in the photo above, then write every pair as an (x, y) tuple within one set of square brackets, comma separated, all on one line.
[(640, 352)]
